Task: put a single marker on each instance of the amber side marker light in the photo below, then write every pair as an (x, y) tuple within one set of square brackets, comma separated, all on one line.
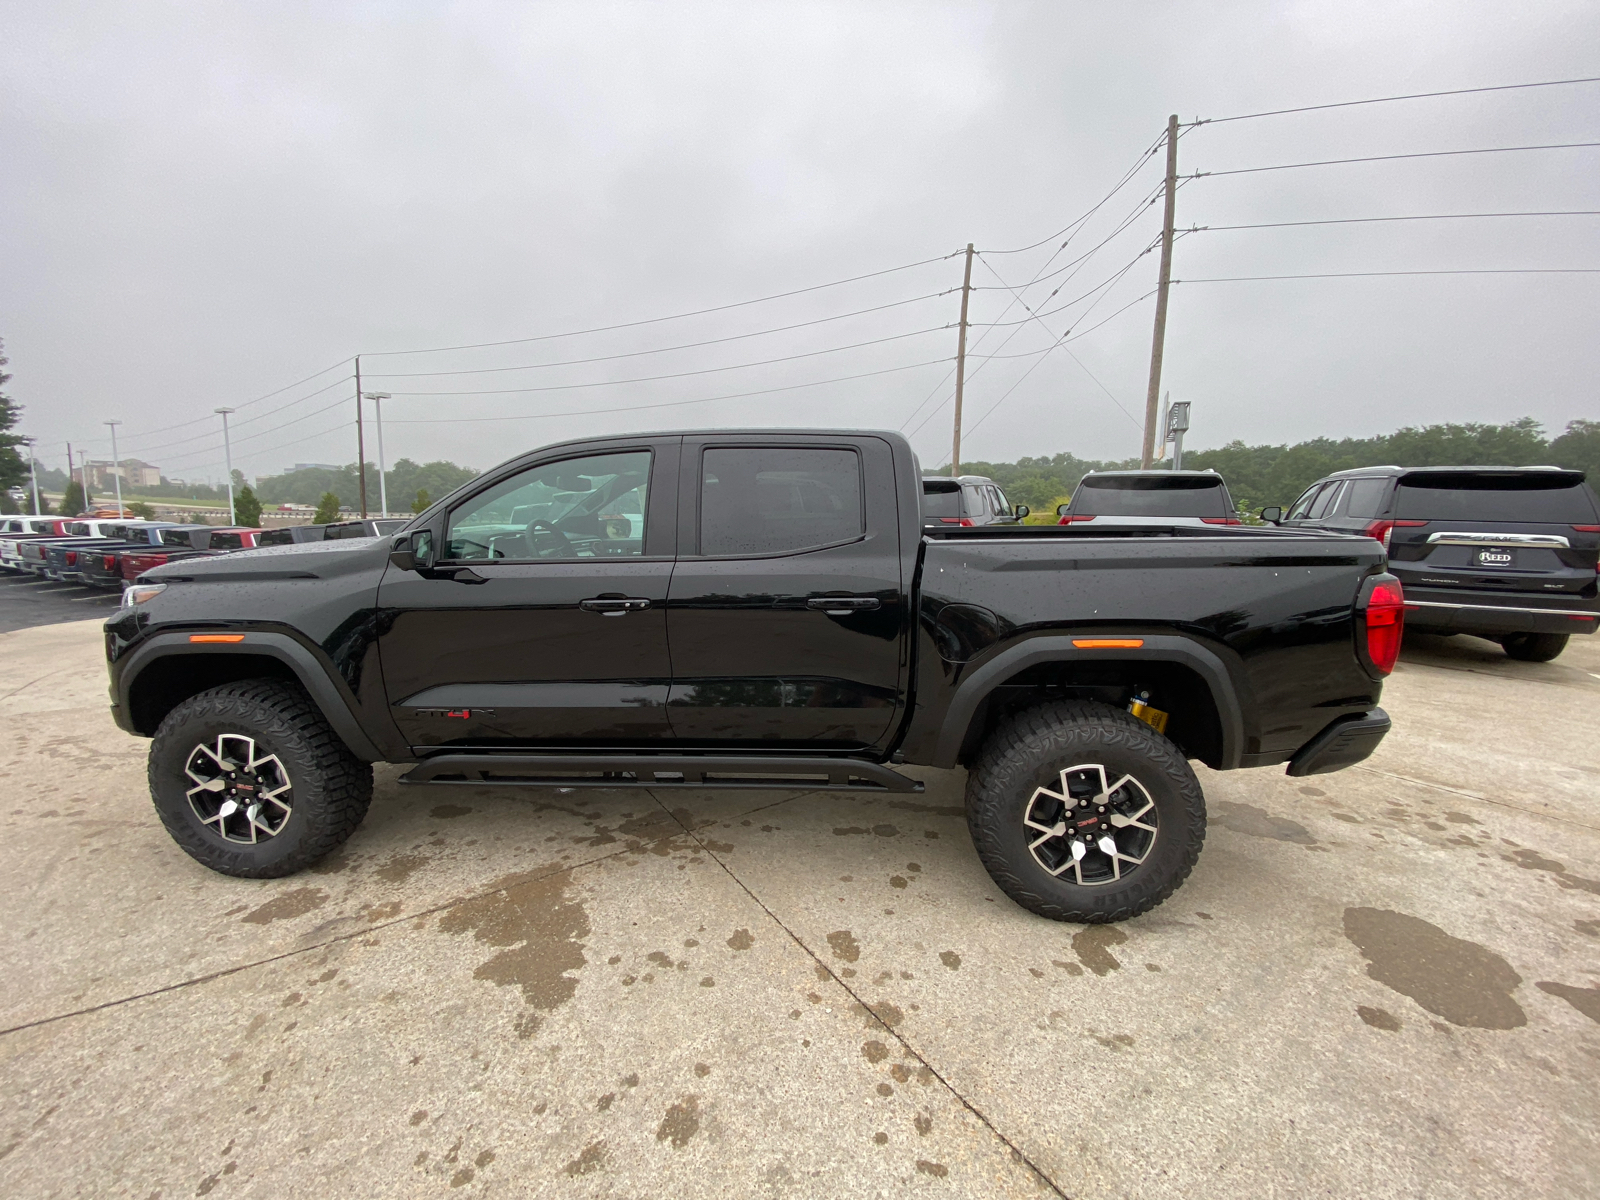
[(216, 637), (1108, 643)]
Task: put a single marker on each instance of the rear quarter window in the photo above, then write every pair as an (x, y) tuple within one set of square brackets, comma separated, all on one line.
[(1366, 497), (1552, 499)]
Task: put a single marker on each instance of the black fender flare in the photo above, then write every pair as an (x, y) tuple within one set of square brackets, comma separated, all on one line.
[(1157, 648), (330, 694)]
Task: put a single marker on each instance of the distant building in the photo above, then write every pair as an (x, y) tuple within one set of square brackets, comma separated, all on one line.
[(134, 474), (314, 467)]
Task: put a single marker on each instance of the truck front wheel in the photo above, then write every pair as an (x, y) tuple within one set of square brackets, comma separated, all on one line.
[(1082, 812), (250, 780)]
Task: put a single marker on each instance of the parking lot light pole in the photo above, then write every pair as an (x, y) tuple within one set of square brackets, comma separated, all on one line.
[(377, 399), (227, 455), (116, 469), (33, 473)]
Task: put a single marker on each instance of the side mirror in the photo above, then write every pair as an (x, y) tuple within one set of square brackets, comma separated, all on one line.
[(413, 551), (1062, 509), (1272, 515), (1022, 511)]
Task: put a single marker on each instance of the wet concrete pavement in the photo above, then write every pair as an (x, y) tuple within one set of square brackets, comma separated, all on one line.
[(1383, 982)]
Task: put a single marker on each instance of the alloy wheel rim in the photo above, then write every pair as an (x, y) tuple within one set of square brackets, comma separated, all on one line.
[(238, 792), (1094, 828)]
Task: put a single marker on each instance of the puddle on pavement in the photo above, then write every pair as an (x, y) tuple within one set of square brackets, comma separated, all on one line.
[(1258, 822), (1585, 1000), (541, 930), (291, 904), (1463, 982), (1093, 948)]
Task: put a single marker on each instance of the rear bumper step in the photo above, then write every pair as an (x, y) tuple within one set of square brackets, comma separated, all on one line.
[(663, 771), (1347, 741)]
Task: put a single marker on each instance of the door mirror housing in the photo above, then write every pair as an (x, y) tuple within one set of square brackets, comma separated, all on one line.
[(413, 551), (1022, 510), (1062, 509), (1272, 515)]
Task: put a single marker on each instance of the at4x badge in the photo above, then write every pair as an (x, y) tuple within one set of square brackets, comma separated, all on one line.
[(465, 714)]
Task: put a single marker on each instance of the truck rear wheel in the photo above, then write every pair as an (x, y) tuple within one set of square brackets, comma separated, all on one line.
[(1534, 647), (250, 780), (1081, 812)]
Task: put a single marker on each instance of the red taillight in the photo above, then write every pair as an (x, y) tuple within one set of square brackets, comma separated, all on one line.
[(1069, 520), (109, 562), (1386, 618), (1382, 529), (1587, 528), (72, 558), (965, 522), (1222, 520)]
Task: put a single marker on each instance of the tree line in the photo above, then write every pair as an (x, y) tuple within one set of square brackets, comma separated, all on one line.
[(1258, 476)]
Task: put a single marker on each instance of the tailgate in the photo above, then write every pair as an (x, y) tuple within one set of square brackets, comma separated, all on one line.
[(1532, 532)]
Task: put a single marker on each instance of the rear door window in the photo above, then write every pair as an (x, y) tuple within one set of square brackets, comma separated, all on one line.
[(1556, 498), (226, 541), (1325, 501), (1146, 497), (779, 499), (176, 537)]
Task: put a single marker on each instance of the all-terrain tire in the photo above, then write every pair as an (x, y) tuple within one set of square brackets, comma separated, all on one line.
[(1031, 751), (1534, 647), (329, 790)]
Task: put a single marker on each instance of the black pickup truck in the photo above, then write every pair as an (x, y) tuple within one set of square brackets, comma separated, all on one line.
[(768, 611)]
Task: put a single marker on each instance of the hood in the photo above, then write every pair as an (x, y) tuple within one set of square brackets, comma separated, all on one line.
[(298, 560)]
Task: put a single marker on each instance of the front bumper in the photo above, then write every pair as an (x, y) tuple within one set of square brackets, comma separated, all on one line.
[(1342, 744)]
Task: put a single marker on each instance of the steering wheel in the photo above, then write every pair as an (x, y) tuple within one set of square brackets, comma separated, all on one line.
[(541, 530)]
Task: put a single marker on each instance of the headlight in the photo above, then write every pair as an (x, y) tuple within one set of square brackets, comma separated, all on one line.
[(140, 592)]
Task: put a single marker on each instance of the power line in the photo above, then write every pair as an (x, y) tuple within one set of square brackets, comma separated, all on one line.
[(1121, 183), (211, 433), (766, 362), (316, 412), (699, 312), (1334, 162), (1505, 87), (1368, 220), (670, 403), (242, 404), (573, 362), (1372, 274)]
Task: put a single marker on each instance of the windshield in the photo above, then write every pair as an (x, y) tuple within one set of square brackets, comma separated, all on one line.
[(1550, 498), (1144, 496)]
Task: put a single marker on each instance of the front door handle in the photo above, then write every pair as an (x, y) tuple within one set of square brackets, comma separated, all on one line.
[(614, 606), (843, 606)]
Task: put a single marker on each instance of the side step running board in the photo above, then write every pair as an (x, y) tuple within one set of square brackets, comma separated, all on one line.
[(665, 771)]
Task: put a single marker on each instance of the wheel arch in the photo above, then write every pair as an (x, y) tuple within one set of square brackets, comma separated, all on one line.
[(168, 669), (1197, 689)]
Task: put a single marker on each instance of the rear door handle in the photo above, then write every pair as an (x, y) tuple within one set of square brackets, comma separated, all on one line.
[(843, 606), (614, 606)]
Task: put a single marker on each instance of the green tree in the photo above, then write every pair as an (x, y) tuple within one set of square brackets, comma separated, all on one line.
[(247, 507), (142, 510), (1578, 449), (13, 467), (420, 504), (74, 502), (327, 509)]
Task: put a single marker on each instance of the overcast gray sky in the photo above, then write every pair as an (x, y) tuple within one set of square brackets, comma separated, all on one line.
[(203, 203)]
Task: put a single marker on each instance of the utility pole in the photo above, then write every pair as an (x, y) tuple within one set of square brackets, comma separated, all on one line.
[(33, 474), (116, 467), (64, 511), (377, 399), (227, 454), (361, 443), (1160, 338), (961, 365)]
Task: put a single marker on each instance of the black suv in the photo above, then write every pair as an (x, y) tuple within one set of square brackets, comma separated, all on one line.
[(1506, 553), (967, 500)]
